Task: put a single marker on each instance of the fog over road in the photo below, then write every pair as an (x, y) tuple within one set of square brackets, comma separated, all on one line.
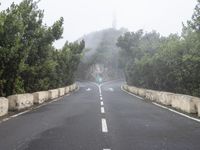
[(100, 118)]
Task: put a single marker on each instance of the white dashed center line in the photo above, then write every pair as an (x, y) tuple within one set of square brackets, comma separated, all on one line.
[(99, 86), (104, 125), (102, 110), (103, 120)]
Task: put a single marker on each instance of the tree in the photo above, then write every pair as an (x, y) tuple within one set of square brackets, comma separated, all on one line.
[(195, 22), (68, 59), (28, 60), (129, 44), (12, 51)]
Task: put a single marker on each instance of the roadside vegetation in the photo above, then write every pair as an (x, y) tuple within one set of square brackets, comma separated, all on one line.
[(171, 63), (28, 60)]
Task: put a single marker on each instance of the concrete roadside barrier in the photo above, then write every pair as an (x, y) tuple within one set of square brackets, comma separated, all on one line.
[(74, 86), (185, 103), (61, 91), (132, 89), (40, 97), (66, 89), (136, 90), (198, 108), (125, 87), (196, 101), (20, 101), (165, 98), (53, 94), (129, 89), (70, 88), (154, 96), (175, 101), (3, 106), (142, 92), (149, 95)]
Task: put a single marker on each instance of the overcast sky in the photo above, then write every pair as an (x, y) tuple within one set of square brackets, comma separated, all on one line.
[(84, 16)]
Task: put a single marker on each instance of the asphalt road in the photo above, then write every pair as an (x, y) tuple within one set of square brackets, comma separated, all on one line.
[(100, 118)]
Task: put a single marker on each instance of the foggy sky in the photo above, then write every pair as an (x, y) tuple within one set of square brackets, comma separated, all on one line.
[(84, 16)]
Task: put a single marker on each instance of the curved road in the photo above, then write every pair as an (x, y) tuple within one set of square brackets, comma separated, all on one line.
[(100, 118)]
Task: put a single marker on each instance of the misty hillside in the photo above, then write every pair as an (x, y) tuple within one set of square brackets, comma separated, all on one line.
[(94, 40), (101, 56)]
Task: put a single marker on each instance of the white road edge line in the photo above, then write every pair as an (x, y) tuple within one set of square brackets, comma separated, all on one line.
[(33, 109), (172, 110), (131, 93), (19, 114), (102, 103), (102, 110), (106, 149), (184, 115), (104, 125), (29, 110)]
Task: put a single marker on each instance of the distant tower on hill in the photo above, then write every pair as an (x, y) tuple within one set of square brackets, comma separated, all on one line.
[(114, 22)]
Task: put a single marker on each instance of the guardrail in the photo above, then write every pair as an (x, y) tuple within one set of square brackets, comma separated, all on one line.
[(185, 103), (23, 101)]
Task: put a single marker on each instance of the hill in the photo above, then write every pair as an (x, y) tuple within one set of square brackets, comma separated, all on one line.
[(100, 60)]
